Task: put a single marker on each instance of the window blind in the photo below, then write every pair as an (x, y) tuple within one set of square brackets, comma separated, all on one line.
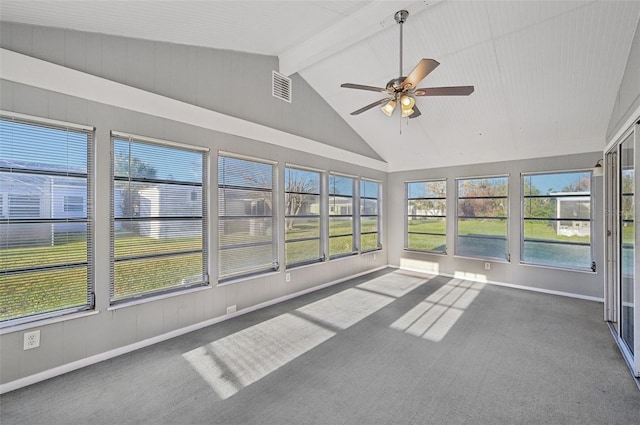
[(158, 217), (46, 218), (246, 239)]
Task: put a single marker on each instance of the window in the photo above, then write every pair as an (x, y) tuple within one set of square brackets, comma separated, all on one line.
[(426, 216), (45, 253), (341, 241), (369, 215), (246, 240), (556, 219), (483, 206), (302, 216), (158, 231)]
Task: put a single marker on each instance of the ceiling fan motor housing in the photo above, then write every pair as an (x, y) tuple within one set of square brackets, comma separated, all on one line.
[(401, 16)]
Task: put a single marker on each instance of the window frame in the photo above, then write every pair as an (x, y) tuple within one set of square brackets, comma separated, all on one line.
[(88, 216), (507, 254), (523, 219), (407, 216), (204, 185), (275, 264), (320, 217), (378, 215), (354, 246)]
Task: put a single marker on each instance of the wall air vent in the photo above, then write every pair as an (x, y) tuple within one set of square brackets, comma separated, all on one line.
[(281, 86)]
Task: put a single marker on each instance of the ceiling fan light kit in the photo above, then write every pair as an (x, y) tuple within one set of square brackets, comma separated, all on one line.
[(404, 89)]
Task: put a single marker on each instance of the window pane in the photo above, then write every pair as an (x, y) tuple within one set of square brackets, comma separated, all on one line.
[(42, 244), (368, 206), (302, 251), (159, 237), (299, 228), (153, 275), (37, 292), (494, 186), (369, 242), (244, 260), (482, 246), (340, 185), (436, 243), (490, 227), (341, 245), (299, 204), (158, 219), (427, 207), (482, 207), (431, 189), (153, 161), (340, 205), (427, 225), (368, 224), (46, 230), (246, 243), (302, 181), (557, 255), (340, 226)]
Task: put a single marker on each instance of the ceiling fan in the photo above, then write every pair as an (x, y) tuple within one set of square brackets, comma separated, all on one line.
[(403, 90)]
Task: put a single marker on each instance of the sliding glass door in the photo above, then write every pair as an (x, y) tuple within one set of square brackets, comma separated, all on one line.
[(622, 289), (627, 240)]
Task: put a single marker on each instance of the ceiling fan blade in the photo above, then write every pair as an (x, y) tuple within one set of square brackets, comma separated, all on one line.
[(371, 105), (416, 112), (362, 87), (421, 70), (444, 91)]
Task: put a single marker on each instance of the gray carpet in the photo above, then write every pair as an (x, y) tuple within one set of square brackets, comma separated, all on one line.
[(386, 348)]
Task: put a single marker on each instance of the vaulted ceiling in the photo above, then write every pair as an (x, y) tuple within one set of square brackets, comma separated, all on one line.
[(546, 73)]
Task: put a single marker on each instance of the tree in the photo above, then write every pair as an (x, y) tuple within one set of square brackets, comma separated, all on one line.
[(298, 183)]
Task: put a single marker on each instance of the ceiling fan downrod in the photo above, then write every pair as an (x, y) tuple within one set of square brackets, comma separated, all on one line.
[(401, 18)]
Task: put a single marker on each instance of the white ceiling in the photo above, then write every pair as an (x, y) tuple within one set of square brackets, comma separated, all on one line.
[(546, 73)]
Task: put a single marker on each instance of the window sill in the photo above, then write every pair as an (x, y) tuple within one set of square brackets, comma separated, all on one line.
[(239, 279), (417, 251), (144, 300), (486, 259), (564, 269)]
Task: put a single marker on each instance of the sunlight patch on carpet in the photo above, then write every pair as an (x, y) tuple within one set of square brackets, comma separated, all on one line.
[(434, 317)]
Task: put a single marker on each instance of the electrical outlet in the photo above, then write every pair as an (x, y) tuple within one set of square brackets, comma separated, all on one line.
[(287, 277), (487, 266), (31, 340), (231, 309)]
